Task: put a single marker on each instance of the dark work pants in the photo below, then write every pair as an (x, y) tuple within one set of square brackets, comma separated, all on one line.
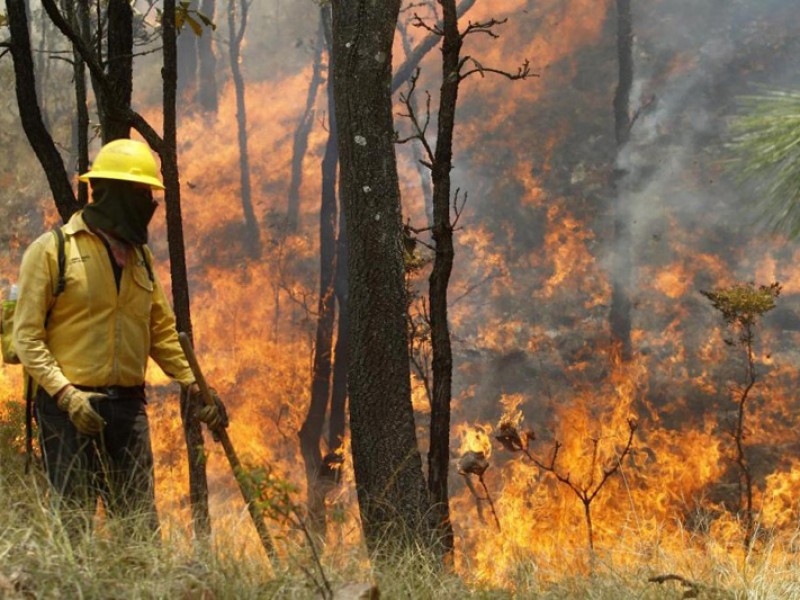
[(116, 465)]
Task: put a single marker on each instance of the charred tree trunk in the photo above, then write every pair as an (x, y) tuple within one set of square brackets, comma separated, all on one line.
[(30, 115), (317, 478), (198, 482), (207, 94), (300, 143), (341, 353), (442, 364), (119, 71), (388, 467), (81, 121), (252, 242), (622, 263)]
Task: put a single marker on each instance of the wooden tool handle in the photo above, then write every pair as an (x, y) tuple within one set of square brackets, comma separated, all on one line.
[(186, 344)]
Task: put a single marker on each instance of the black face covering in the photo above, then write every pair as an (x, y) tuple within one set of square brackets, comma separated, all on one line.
[(120, 208)]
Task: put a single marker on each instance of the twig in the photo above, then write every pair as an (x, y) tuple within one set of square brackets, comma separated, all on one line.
[(491, 504)]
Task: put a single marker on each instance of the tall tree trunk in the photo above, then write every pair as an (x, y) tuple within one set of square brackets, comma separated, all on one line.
[(207, 64), (252, 241), (341, 353), (76, 12), (30, 115), (442, 364), (300, 142), (119, 70), (622, 263), (388, 467), (318, 476), (198, 482)]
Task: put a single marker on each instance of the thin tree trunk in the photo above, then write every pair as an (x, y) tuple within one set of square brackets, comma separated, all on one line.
[(318, 476), (388, 467), (442, 363), (81, 121), (300, 142), (341, 353), (30, 115), (198, 482), (622, 263), (207, 64), (252, 241)]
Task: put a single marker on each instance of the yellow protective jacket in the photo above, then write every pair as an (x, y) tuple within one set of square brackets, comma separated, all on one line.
[(94, 336)]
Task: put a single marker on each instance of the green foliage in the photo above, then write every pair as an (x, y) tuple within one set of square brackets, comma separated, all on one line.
[(741, 304), (764, 154), (275, 495)]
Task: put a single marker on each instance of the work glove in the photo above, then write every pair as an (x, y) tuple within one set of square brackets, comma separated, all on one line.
[(77, 404), (213, 415)]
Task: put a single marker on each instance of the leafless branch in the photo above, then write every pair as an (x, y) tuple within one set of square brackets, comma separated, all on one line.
[(491, 504), (483, 27), (523, 72), (418, 131), (435, 29), (458, 210)]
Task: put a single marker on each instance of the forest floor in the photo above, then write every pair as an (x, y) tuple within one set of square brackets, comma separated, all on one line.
[(37, 560)]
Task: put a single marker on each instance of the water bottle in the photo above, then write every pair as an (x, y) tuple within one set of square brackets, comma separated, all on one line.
[(13, 294)]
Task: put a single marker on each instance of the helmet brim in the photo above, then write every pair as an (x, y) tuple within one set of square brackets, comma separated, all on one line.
[(151, 181)]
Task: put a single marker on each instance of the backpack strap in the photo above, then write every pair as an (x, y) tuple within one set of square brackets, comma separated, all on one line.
[(62, 260), (30, 385)]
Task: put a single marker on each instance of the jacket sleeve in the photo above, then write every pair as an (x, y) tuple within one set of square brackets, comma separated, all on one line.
[(165, 348), (35, 299)]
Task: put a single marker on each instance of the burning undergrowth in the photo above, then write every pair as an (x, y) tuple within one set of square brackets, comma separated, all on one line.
[(530, 294)]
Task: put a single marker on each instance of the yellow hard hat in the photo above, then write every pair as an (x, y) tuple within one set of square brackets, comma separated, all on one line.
[(128, 160)]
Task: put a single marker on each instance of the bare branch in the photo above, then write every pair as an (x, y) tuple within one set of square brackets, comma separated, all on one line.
[(483, 27), (435, 29), (418, 130), (523, 72), (458, 211)]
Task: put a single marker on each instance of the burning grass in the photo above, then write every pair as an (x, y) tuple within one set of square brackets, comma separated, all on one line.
[(37, 561)]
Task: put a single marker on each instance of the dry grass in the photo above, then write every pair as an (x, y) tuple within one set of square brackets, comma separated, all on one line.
[(38, 561)]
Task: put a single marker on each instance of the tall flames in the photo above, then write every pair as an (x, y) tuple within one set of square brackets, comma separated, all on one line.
[(529, 308)]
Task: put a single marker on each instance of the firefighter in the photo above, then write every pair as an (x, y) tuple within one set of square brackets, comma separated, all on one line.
[(87, 346)]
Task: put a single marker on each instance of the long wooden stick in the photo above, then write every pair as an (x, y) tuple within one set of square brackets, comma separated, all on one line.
[(222, 436)]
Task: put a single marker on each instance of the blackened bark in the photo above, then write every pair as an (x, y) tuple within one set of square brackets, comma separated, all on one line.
[(252, 242), (119, 71), (78, 13), (388, 467), (300, 142), (207, 64), (198, 482), (442, 364), (311, 432), (341, 353), (622, 263), (319, 477), (30, 115)]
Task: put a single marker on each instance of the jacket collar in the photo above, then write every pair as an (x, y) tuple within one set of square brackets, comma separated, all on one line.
[(76, 224)]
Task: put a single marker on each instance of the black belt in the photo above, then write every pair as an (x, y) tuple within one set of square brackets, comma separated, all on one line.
[(115, 391)]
